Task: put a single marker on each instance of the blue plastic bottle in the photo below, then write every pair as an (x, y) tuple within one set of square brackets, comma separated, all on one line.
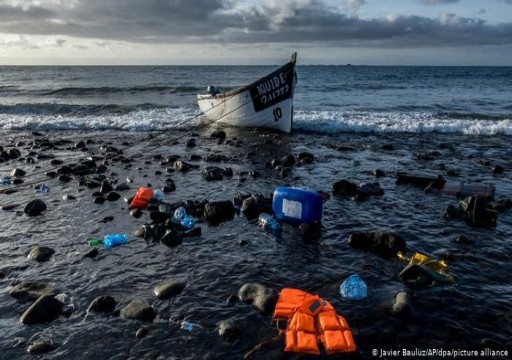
[(185, 325), (297, 206), (111, 240), (269, 223), (187, 222), (158, 194), (178, 215), (6, 180), (42, 188), (353, 288)]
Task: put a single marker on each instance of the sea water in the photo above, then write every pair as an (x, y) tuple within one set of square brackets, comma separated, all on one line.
[(449, 121)]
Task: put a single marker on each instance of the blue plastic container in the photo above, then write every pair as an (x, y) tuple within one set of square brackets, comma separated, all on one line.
[(269, 223), (354, 288), (111, 240), (297, 205)]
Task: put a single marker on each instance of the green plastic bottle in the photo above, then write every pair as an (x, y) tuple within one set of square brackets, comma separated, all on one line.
[(94, 242)]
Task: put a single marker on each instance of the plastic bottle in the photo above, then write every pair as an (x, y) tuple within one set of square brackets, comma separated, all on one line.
[(353, 288), (188, 326), (178, 215), (6, 180), (42, 188), (111, 240), (158, 194), (269, 223), (188, 222), (94, 242)]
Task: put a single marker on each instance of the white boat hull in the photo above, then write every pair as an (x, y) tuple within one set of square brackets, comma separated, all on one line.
[(266, 103)]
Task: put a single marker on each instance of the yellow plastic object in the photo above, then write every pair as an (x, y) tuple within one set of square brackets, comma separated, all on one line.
[(439, 266)]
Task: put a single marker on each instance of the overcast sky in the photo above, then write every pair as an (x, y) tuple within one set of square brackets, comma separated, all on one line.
[(373, 32)]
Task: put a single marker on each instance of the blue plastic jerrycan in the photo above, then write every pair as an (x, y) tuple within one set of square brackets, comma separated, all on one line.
[(297, 205)]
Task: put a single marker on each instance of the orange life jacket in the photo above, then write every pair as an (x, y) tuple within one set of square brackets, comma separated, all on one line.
[(140, 200), (312, 319)]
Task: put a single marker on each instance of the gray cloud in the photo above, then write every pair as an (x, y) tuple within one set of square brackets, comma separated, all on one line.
[(435, 2), (118, 19), (223, 21)]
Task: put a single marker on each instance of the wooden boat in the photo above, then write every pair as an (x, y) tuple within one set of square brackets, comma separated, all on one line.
[(266, 103)]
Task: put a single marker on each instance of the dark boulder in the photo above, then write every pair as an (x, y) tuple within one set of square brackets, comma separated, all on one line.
[(159, 217), (498, 169), (170, 238), (56, 162), (65, 178), (65, 170), (139, 310), (141, 332), (262, 298), (81, 169), (169, 187), (463, 240), (18, 173), (92, 253), (254, 205), (502, 205), (306, 156), (378, 173), (288, 160), (194, 232), (104, 304), (344, 188), (122, 187), (9, 207), (214, 157), (169, 289), (183, 166), (370, 189), (212, 173), (113, 196), (229, 330), (106, 187), (41, 253), (34, 207), (41, 347), (14, 153), (136, 213), (47, 308), (99, 200), (31, 290), (219, 134), (384, 244), (218, 211)]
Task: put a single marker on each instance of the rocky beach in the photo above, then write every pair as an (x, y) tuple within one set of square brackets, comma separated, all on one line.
[(64, 299)]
